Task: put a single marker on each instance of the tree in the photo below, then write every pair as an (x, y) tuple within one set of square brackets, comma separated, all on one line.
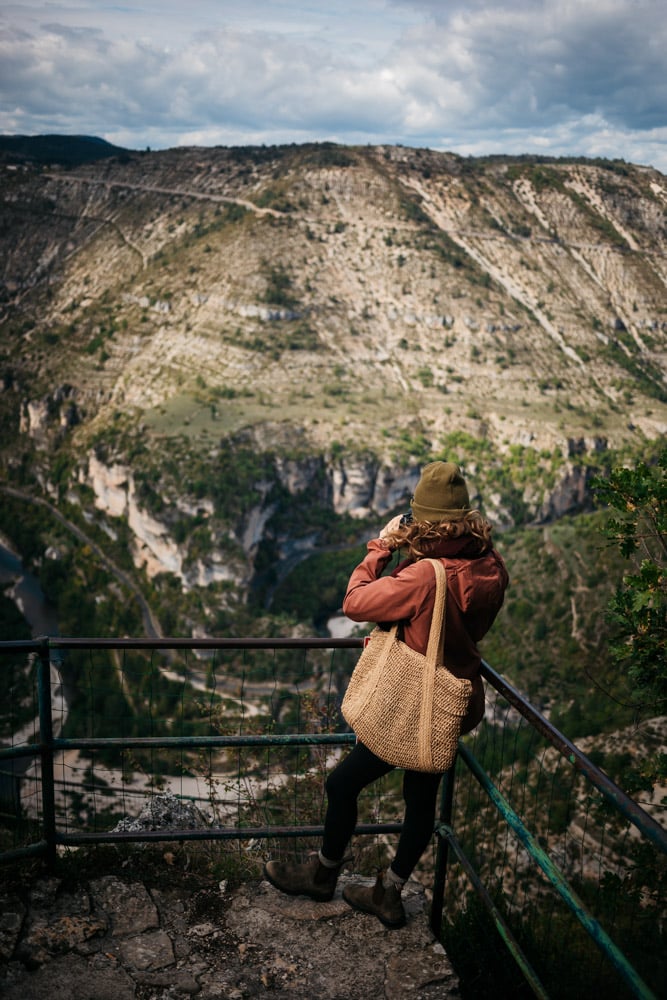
[(638, 525)]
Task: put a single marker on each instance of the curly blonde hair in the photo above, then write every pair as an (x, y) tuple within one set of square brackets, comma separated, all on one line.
[(421, 537)]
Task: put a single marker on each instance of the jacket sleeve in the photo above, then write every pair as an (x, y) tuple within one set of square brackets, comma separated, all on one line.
[(371, 597)]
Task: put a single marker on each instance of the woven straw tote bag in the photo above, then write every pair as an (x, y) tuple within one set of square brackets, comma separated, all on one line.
[(406, 706)]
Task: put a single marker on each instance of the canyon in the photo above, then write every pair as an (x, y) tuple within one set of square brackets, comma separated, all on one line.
[(215, 346)]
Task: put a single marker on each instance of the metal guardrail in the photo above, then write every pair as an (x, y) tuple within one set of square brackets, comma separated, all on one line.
[(49, 745), (615, 796), (447, 838)]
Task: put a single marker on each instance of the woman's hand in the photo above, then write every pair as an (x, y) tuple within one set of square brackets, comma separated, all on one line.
[(391, 525)]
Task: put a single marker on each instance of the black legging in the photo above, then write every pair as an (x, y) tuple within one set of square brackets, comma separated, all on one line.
[(344, 784)]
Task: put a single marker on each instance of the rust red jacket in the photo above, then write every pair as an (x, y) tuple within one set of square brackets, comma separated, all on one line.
[(475, 593)]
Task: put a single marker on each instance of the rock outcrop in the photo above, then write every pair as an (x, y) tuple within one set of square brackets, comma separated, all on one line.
[(358, 486), (114, 937), (153, 547)]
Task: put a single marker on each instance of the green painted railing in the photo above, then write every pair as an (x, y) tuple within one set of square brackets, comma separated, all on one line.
[(450, 828)]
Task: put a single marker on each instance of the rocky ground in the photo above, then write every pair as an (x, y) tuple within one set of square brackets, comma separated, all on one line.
[(122, 933)]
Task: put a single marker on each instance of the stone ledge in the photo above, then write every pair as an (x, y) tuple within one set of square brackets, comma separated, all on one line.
[(114, 940)]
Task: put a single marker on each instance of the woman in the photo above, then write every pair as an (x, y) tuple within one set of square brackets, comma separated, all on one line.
[(442, 527)]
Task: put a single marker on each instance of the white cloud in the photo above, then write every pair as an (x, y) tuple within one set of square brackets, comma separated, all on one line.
[(582, 77), (543, 61)]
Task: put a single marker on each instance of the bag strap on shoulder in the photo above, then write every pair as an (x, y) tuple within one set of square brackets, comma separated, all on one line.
[(436, 637)]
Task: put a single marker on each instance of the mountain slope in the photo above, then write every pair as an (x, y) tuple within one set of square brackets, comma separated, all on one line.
[(384, 288), (241, 356)]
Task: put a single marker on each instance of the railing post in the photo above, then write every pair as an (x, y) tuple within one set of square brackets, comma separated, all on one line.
[(442, 852), (46, 749)]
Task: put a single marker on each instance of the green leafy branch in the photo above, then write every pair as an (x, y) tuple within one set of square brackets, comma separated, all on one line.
[(639, 605)]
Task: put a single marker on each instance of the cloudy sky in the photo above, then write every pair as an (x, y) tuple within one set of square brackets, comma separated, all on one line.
[(561, 77)]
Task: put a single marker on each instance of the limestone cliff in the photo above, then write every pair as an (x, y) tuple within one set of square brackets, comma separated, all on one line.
[(231, 346), (359, 488)]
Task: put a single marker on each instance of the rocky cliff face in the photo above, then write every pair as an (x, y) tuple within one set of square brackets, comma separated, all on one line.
[(154, 549), (342, 315), (359, 489), (355, 293)]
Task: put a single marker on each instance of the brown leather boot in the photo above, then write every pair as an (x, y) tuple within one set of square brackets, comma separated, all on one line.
[(385, 904), (311, 878)]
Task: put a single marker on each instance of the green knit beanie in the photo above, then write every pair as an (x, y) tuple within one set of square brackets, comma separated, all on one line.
[(441, 493)]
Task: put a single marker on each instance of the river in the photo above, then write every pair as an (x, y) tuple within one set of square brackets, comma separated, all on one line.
[(24, 589), (27, 594)]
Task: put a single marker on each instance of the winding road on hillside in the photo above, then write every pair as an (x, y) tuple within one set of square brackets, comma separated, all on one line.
[(411, 186), (151, 625), (169, 192)]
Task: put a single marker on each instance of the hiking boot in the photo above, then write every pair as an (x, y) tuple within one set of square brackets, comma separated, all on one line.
[(384, 903), (311, 878)]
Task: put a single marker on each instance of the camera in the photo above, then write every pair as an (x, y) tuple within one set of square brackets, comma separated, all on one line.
[(406, 519)]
